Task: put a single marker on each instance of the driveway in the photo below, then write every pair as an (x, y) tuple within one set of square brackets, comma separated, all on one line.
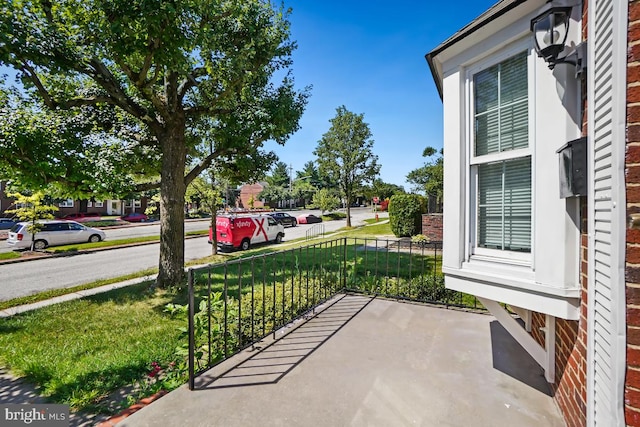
[(370, 362)]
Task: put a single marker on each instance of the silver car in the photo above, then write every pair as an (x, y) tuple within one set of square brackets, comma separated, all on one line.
[(53, 233)]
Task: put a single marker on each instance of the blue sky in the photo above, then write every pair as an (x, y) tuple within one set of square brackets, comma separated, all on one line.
[(369, 57)]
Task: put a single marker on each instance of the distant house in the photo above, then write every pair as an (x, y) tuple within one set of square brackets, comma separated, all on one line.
[(103, 207), (541, 190), (250, 192), (69, 206)]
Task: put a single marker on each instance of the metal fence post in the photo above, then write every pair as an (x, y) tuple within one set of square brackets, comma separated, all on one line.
[(192, 344), (344, 264)]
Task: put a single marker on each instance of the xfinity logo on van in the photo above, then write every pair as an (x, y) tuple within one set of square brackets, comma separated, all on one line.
[(243, 223)]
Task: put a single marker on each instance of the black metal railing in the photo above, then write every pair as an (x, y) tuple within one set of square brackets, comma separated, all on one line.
[(236, 304), (315, 231)]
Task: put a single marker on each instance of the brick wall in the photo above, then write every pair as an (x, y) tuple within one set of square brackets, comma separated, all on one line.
[(249, 190), (632, 172), (432, 226)]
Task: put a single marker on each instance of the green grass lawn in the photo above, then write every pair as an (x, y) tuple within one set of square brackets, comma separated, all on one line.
[(79, 351), (377, 230)]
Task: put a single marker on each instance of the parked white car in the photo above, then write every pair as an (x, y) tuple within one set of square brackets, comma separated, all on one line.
[(53, 233)]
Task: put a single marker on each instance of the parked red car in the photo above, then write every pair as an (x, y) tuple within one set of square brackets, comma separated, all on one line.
[(82, 216), (308, 219), (135, 217)]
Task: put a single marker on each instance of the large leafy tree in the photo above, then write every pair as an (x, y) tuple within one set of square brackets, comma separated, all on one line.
[(428, 179), (157, 69), (302, 191), (345, 154), (279, 176), (273, 195), (309, 173)]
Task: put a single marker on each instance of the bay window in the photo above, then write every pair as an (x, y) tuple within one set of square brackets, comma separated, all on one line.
[(500, 161)]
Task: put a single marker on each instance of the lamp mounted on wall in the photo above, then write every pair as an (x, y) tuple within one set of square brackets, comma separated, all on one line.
[(550, 29)]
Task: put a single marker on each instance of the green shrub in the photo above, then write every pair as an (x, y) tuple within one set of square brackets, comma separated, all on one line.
[(405, 212)]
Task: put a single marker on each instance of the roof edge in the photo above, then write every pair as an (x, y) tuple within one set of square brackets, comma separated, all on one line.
[(466, 31)]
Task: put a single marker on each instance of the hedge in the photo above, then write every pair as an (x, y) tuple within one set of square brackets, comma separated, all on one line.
[(405, 214)]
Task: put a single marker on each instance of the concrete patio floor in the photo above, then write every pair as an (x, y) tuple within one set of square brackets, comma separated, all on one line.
[(370, 362)]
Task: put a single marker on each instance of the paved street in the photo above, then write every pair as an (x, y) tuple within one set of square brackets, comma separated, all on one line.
[(27, 278)]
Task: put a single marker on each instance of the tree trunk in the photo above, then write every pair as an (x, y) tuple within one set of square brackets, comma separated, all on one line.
[(172, 202), (348, 211)]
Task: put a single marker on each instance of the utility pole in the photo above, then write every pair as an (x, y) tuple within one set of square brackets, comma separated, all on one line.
[(290, 186)]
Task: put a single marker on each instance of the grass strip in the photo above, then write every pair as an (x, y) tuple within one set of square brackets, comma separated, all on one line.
[(9, 255), (42, 296), (198, 233)]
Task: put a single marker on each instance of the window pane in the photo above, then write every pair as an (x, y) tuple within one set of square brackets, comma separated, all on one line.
[(504, 205), (513, 79), (501, 106), (486, 87), (487, 133), (514, 132)]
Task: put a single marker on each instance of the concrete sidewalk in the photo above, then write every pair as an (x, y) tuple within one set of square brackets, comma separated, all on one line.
[(370, 362)]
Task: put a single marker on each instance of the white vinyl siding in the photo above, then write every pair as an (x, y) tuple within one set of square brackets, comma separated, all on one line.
[(606, 316), (501, 127)]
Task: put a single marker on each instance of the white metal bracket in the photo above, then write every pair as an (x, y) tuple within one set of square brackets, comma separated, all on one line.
[(545, 357)]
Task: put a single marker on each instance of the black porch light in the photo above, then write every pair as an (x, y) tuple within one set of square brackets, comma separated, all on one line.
[(550, 30)]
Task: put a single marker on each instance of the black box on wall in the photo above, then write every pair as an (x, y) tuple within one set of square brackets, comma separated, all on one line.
[(573, 168)]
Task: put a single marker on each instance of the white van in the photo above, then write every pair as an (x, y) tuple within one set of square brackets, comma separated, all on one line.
[(53, 233)]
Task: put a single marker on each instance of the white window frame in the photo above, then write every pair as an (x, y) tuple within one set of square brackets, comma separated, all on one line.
[(99, 203), (66, 204), (473, 252)]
